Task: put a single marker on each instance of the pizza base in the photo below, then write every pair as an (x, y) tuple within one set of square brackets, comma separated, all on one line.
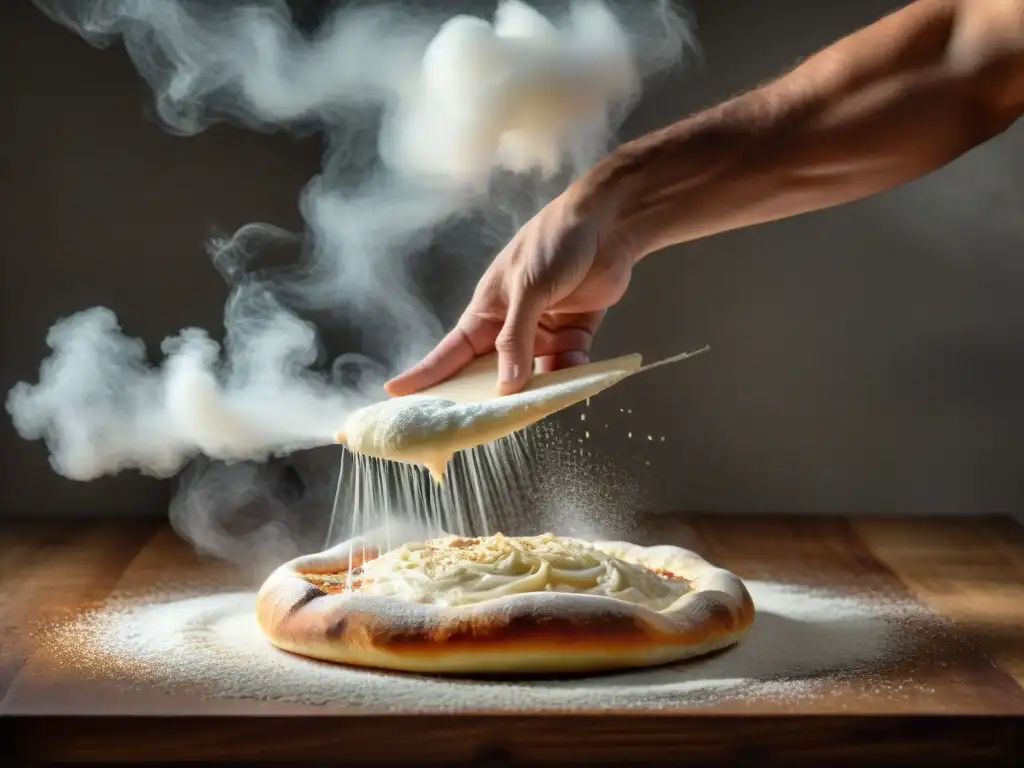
[(529, 633)]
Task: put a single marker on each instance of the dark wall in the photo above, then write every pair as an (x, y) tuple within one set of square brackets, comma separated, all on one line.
[(102, 207), (864, 359)]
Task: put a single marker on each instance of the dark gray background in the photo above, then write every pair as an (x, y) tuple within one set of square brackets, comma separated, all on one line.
[(865, 359)]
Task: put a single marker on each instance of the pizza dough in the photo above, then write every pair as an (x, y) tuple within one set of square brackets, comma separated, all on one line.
[(503, 605), (429, 428)]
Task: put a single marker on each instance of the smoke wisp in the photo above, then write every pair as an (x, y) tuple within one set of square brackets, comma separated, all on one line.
[(428, 122)]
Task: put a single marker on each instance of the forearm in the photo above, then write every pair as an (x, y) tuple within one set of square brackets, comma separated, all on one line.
[(886, 105)]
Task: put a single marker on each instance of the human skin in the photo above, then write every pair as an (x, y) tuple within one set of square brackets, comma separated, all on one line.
[(885, 105)]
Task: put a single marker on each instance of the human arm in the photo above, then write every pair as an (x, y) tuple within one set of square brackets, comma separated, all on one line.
[(885, 105)]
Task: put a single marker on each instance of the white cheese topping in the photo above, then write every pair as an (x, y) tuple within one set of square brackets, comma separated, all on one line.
[(456, 571)]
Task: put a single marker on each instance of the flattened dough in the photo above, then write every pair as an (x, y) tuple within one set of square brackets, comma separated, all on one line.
[(503, 605)]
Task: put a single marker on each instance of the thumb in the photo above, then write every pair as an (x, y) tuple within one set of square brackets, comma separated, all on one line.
[(515, 343)]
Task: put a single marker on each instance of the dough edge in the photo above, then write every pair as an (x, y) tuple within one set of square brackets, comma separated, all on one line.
[(530, 633)]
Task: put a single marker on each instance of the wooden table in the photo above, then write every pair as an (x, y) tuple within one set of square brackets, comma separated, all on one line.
[(961, 701)]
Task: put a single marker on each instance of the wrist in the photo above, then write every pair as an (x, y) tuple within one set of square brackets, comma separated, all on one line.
[(612, 193)]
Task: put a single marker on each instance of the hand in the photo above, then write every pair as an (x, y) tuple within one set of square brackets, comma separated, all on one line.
[(543, 297)]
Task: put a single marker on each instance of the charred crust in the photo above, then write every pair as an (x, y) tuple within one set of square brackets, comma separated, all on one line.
[(491, 629), (311, 594)]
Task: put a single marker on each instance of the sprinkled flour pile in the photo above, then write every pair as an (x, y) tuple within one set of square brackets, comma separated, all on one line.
[(801, 640)]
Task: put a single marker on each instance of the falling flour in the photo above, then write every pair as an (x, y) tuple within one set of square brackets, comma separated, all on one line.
[(211, 644)]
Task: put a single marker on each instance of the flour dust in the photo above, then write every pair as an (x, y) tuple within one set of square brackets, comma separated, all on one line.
[(531, 481), (801, 641)]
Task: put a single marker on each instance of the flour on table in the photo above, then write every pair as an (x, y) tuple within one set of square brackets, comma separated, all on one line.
[(800, 640)]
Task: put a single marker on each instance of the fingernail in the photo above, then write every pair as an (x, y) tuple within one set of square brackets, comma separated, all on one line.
[(507, 373)]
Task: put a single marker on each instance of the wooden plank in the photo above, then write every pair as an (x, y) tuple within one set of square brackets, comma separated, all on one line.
[(804, 550), (866, 722), (18, 544), (164, 565), (971, 572), (524, 740), (50, 570), (169, 563), (944, 674)]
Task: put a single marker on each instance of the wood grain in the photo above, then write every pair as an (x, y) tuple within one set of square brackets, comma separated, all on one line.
[(53, 569), (537, 740), (944, 675), (970, 574)]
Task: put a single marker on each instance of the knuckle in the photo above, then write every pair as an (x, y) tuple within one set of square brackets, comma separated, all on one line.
[(508, 341), (487, 288)]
